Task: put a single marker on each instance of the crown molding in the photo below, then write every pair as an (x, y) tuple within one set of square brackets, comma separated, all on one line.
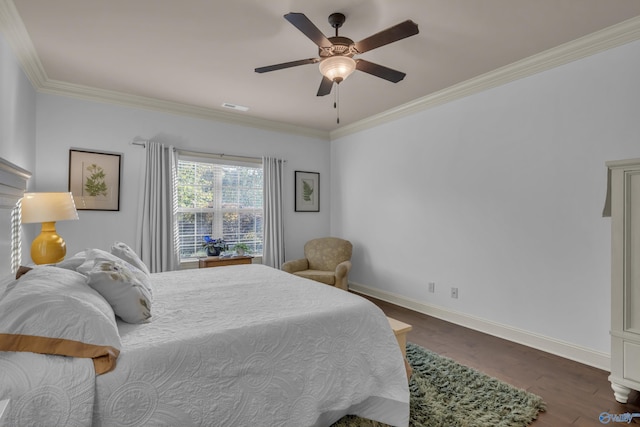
[(616, 35), (56, 87)]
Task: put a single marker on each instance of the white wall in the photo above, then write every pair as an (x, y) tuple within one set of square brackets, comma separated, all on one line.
[(499, 194), (17, 112), (17, 121), (65, 123)]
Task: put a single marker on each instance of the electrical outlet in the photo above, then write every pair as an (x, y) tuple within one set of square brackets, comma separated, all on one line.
[(454, 293), (432, 287)]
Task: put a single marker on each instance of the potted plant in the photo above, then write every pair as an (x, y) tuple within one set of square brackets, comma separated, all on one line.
[(241, 249), (214, 246)]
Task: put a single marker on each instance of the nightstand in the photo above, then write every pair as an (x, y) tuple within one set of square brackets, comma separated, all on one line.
[(216, 261), (400, 330)]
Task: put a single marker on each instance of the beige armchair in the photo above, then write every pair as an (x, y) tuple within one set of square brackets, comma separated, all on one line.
[(327, 260)]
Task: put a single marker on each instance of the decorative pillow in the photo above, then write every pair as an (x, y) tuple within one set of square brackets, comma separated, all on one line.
[(122, 250), (95, 255), (125, 287), (51, 310)]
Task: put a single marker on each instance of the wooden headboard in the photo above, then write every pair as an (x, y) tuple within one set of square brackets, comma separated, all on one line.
[(13, 183)]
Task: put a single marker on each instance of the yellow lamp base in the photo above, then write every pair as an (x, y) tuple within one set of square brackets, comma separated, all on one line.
[(48, 247)]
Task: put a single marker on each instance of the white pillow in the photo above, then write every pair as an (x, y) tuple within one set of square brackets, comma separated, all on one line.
[(122, 250), (73, 262), (94, 255), (125, 287), (51, 310)]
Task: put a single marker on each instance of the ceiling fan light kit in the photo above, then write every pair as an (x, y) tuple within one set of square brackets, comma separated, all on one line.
[(336, 53), (337, 68)]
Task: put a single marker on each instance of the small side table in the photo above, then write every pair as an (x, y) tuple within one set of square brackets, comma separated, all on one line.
[(216, 261), (400, 330)]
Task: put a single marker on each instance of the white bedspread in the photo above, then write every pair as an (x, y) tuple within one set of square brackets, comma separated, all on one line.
[(46, 390), (41, 390), (249, 345)]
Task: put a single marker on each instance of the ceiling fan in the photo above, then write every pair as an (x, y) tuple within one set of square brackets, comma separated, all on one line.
[(336, 53)]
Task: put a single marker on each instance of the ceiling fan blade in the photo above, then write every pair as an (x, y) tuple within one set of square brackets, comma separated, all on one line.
[(286, 65), (325, 87), (397, 32), (301, 22), (379, 71)]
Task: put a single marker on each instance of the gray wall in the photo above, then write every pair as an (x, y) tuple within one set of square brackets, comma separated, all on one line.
[(17, 121), (499, 194), (65, 123), (37, 130), (17, 112)]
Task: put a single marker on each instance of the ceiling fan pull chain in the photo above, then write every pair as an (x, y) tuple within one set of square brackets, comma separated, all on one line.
[(336, 103)]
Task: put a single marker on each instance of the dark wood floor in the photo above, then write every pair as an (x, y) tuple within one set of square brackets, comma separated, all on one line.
[(575, 394)]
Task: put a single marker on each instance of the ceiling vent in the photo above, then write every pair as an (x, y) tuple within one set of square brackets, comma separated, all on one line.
[(234, 106)]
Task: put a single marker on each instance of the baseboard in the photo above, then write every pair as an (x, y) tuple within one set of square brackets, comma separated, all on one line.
[(550, 345)]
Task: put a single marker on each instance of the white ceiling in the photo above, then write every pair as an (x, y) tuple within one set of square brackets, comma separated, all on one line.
[(199, 54)]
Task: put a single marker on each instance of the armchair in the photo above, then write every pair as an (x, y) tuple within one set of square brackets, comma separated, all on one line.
[(327, 260)]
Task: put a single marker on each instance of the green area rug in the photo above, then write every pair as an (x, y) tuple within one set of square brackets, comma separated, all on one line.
[(447, 394)]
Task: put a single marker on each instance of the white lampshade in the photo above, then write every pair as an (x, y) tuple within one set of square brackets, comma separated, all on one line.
[(48, 207), (337, 68)]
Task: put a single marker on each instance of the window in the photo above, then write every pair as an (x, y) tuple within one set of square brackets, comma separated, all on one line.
[(218, 200)]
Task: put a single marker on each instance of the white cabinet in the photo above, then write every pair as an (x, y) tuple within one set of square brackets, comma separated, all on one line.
[(624, 192)]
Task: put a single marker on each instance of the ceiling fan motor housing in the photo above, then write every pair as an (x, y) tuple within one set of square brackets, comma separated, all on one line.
[(340, 46)]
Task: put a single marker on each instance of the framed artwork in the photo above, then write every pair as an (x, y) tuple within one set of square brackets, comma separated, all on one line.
[(307, 191), (94, 180)]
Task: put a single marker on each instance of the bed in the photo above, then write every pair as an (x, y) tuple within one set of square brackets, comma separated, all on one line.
[(244, 345)]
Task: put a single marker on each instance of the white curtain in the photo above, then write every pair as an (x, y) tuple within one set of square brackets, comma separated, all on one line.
[(157, 237), (273, 247)]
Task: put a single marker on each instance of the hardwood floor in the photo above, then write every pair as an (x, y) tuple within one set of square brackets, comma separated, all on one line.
[(575, 394)]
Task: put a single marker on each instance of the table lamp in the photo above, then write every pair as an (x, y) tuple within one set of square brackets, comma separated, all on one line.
[(47, 208)]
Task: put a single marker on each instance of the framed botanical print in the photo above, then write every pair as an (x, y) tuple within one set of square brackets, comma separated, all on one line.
[(307, 191), (94, 180)]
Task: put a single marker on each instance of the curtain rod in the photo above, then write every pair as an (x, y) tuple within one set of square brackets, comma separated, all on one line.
[(143, 143)]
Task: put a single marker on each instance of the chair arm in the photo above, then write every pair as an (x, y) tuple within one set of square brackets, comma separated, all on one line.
[(295, 265), (342, 269)]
